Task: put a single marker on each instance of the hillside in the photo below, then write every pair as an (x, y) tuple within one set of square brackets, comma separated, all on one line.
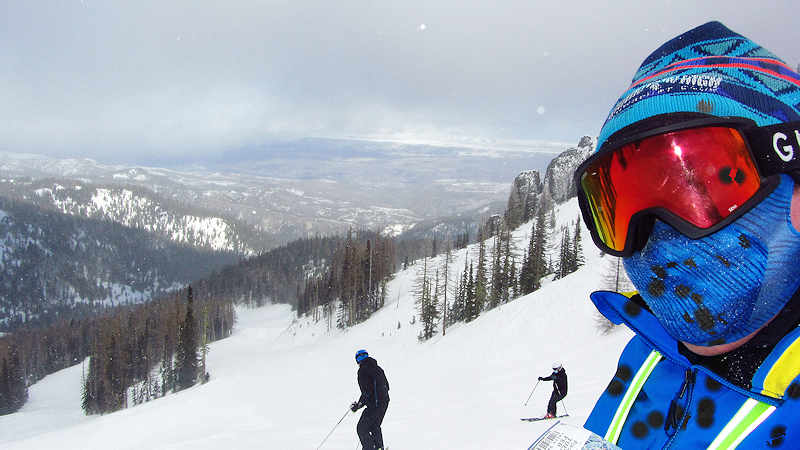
[(58, 265), (282, 383), (140, 208)]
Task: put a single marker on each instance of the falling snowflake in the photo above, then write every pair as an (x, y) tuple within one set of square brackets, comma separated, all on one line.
[(540, 110), (422, 27)]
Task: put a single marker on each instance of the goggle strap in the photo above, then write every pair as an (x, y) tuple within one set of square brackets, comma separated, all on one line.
[(776, 148)]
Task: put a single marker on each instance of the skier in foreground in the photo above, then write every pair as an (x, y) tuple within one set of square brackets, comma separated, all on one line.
[(559, 378), (694, 184), (375, 396)]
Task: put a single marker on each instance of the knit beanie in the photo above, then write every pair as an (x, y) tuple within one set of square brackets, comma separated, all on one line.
[(713, 71)]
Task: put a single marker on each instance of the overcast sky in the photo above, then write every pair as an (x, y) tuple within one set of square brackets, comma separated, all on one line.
[(150, 79)]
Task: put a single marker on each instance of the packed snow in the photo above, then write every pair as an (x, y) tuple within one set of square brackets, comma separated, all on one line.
[(283, 383)]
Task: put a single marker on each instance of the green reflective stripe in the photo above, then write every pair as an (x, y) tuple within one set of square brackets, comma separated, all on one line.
[(747, 419), (614, 430)]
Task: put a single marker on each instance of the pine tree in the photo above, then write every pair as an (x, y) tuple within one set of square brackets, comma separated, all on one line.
[(186, 358), (540, 249), (111, 375), (429, 311), (448, 256), (421, 283), (480, 282), (568, 260), (508, 275), (167, 370), (496, 282), (17, 386), (614, 277), (526, 273), (204, 347), (5, 389), (458, 309), (515, 290), (472, 309), (534, 265), (563, 256), (577, 249)]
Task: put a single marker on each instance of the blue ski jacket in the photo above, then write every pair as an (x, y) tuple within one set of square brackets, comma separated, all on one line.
[(659, 399)]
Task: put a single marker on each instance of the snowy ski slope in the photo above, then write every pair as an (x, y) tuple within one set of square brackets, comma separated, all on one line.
[(282, 383)]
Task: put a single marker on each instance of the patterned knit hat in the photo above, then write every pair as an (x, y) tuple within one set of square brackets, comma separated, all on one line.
[(724, 286), (709, 70)]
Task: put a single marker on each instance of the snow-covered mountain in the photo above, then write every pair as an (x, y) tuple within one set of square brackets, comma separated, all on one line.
[(283, 382), (55, 264), (142, 209)]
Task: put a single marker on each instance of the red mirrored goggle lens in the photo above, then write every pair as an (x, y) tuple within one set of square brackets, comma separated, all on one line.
[(700, 175)]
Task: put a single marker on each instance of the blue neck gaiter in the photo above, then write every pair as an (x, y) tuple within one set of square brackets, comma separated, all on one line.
[(720, 288)]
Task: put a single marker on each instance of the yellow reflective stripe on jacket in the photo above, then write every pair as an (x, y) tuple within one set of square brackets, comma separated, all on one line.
[(748, 418), (614, 430)]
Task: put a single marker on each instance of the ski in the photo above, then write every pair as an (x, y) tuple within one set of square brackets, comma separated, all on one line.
[(536, 419)]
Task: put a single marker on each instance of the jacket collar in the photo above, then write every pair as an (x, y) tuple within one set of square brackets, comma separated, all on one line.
[(772, 379)]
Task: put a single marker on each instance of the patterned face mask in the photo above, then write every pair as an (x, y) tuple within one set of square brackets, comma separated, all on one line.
[(720, 288)]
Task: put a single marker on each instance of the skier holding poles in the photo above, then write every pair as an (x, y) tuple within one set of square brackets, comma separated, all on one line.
[(375, 396), (559, 378)]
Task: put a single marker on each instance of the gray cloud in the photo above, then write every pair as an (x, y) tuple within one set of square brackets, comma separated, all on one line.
[(152, 79)]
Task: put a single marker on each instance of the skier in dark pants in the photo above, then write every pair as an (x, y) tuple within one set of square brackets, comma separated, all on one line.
[(375, 396), (559, 378)]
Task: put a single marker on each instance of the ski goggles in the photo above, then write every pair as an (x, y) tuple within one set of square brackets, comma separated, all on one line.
[(697, 176)]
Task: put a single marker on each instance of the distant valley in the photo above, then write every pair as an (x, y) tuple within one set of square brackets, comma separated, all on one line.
[(295, 188)]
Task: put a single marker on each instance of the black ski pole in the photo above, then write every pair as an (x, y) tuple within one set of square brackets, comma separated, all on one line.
[(531, 394), (562, 398), (334, 428)]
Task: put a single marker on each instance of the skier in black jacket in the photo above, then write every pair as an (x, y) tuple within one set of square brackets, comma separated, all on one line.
[(375, 396), (559, 377)]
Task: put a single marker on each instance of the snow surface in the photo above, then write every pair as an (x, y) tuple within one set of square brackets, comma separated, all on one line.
[(283, 383)]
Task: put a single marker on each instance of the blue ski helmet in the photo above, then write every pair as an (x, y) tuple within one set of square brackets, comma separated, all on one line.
[(361, 355)]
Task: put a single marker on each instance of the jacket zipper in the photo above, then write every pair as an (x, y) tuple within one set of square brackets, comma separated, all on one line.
[(683, 363), (686, 390)]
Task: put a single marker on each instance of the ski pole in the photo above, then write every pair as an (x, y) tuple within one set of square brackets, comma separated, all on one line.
[(531, 394), (562, 398), (334, 428)]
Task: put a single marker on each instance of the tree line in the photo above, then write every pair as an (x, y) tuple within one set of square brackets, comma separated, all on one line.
[(496, 276), (152, 350), (353, 285), (135, 353)]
